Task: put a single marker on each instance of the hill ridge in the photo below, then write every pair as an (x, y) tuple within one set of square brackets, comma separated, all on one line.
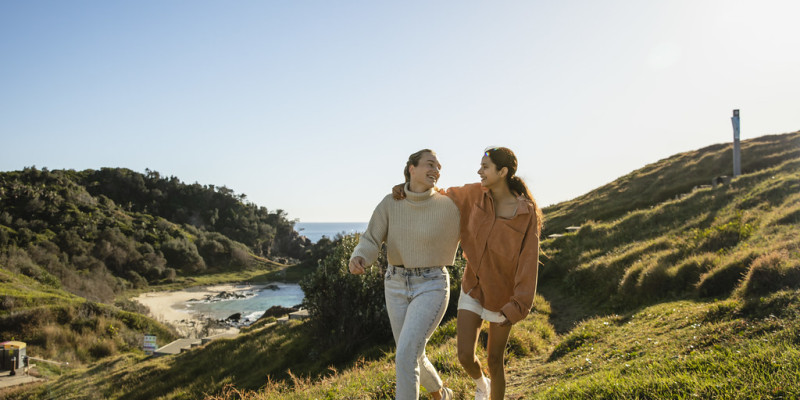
[(664, 297)]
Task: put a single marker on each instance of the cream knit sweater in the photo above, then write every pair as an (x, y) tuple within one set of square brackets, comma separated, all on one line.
[(420, 231)]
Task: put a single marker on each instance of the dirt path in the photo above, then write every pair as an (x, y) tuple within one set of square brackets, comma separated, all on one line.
[(527, 374)]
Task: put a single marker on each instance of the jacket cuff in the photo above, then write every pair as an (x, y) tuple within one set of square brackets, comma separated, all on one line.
[(511, 312)]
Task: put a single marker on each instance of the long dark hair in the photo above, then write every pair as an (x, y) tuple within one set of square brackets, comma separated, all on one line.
[(414, 160), (503, 157)]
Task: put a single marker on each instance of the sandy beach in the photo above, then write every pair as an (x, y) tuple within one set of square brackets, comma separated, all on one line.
[(170, 307)]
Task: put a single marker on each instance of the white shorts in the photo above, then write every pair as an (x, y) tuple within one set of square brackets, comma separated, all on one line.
[(467, 302)]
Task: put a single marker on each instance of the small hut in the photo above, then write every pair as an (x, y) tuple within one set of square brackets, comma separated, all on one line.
[(12, 356)]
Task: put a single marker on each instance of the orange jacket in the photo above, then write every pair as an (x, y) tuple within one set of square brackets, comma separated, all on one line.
[(502, 254)]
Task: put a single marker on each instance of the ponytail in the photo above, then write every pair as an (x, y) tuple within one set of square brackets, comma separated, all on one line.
[(518, 186), (503, 157)]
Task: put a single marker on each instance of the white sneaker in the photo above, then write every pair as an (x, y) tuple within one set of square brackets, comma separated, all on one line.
[(447, 394), (481, 394)]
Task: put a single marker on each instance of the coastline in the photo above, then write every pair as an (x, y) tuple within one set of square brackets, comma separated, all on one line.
[(170, 307), (314, 231)]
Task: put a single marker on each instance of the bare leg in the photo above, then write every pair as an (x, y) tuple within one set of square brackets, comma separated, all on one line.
[(468, 325), (496, 348)]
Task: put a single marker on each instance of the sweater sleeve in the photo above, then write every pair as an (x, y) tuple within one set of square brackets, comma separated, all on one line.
[(525, 277), (369, 244)]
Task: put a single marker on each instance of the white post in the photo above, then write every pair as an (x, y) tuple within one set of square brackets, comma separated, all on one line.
[(737, 156)]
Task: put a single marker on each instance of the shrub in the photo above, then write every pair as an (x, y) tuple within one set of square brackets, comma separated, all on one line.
[(655, 282), (103, 348), (132, 306), (182, 253), (687, 274), (771, 272), (781, 304), (342, 305), (628, 284), (723, 236), (722, 280)]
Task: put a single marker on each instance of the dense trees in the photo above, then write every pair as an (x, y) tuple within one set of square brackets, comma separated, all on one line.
[(206, 207), (96, 232)]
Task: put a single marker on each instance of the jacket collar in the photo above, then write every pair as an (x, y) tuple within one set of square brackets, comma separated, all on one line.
[(523, 206)]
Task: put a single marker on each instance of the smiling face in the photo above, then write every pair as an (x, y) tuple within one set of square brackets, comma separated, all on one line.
[(425, 174), (490, 175)]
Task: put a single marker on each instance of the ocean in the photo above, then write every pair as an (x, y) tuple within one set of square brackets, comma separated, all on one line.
[(315, 230), (255, 301), (253, 304)]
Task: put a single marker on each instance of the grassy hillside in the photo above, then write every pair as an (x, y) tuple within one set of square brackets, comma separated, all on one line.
[(682, 294), (702, 245), (669, 292), (75, 244), (668, 178), (732, 349), (60, 326)]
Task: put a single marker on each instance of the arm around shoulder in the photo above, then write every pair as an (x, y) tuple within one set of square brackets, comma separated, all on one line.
[(464, 196)]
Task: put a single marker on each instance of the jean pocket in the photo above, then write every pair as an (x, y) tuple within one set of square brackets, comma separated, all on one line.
[(435, 274)]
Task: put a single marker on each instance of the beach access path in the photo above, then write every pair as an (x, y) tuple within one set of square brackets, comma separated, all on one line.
[(8, 380)]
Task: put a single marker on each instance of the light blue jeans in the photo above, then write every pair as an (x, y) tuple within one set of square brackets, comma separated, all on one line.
[(416, 299)]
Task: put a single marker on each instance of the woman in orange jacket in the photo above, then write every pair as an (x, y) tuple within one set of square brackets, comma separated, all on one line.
[(500, 228)]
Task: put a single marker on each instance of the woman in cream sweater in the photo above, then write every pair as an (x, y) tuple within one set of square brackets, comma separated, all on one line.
[(500, 228), (421, 235)]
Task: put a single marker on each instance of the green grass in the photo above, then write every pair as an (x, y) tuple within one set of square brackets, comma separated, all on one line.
[(668, 178), (700, 246), (731, 349), (665, 292), (679, 350)]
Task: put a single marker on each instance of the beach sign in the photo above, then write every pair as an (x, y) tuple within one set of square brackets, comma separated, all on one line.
[(149, 344)]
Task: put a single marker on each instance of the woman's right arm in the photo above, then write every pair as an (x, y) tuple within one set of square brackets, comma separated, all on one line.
[(369, 244)]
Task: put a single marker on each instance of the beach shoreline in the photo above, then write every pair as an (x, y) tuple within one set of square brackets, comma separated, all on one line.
[(171, 307)]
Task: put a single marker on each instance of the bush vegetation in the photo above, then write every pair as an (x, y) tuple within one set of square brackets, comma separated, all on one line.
[(102, 232), (68, 238), (665, 291)]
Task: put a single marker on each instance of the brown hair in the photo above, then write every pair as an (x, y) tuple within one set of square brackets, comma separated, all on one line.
[(503, 157), (414, 160)]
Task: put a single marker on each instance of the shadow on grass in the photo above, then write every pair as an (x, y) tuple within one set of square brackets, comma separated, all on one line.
[(567, 309)]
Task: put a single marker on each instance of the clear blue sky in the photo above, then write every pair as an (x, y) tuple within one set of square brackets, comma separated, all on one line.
[(313, 106)]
